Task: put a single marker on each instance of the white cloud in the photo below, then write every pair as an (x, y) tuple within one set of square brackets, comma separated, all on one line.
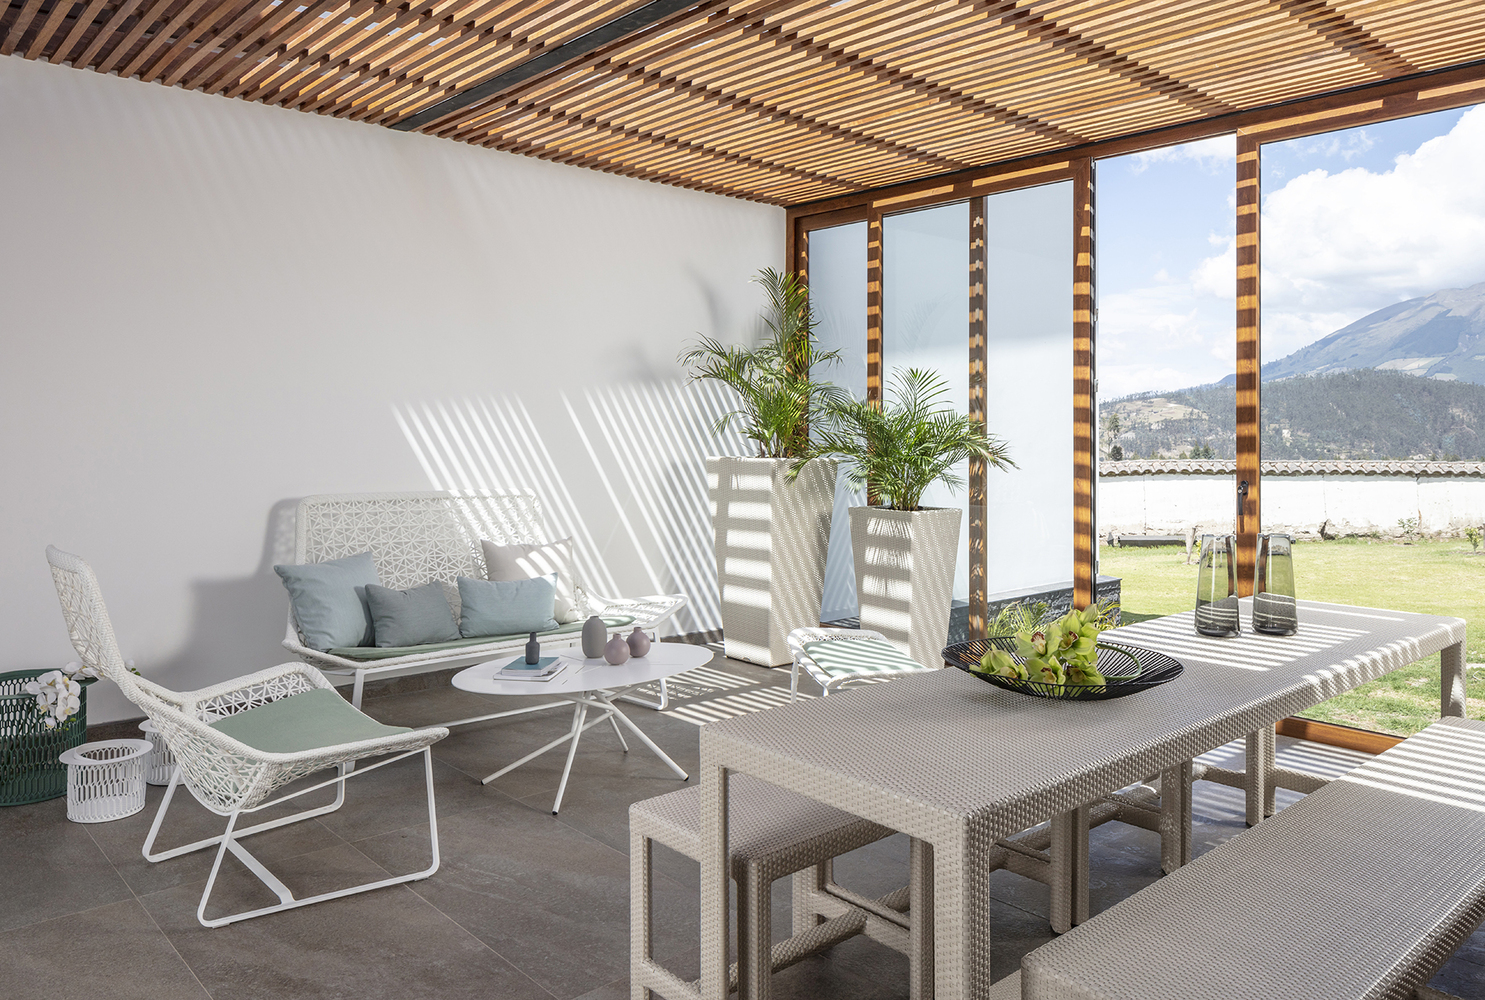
[(1337, 246), (1215, 153), (1162, 337)]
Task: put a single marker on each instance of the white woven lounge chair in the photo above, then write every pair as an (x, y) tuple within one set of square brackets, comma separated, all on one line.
[(237, 742), (872, 665), (418, 537)]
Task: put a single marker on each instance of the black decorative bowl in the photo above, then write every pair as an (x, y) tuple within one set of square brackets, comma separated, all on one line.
[(1127, 669)]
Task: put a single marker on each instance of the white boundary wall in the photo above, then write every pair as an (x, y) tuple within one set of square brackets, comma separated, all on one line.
[(1168, 503), (212, 307)]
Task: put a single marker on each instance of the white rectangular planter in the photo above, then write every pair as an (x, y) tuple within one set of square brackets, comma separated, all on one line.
[(905, 564), (771, 536)]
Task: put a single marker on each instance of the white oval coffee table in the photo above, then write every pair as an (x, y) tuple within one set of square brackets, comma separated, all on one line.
[(591, 685)]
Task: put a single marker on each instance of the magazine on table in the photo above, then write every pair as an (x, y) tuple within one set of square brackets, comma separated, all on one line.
[(544, 669)]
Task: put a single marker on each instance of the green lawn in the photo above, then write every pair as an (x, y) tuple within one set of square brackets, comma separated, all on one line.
[(1435, 577)]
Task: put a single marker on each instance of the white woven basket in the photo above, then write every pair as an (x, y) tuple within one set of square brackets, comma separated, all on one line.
[(105, 780), (161, 761)]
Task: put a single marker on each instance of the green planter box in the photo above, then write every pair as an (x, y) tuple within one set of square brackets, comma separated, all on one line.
[(29, 770)]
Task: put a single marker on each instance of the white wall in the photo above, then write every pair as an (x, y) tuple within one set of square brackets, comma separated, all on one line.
[(1299, 505), (212, 308)]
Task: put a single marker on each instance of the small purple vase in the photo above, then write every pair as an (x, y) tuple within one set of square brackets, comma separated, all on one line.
[(617, 650), (639, 643)]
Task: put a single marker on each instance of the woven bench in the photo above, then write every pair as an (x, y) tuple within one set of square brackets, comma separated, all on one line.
[(772, 833), (418, 537), (1360, 891)]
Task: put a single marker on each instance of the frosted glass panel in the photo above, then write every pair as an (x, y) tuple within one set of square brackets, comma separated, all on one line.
[(925, 323), (838, 299), (1029, 510)]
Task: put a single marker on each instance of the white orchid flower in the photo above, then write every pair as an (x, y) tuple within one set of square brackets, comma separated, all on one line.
[(78, 671), (58, 697)]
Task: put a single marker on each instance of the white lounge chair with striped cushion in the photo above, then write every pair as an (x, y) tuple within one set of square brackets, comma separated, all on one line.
[(841, 657)]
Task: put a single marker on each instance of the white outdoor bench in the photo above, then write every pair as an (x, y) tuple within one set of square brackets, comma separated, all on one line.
[(418, 537), (1360, 891)]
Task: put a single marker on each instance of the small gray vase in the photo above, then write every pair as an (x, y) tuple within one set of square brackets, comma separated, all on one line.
[(595, 637)]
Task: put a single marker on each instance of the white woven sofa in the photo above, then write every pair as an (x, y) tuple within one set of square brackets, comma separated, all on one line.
[(418, 537)]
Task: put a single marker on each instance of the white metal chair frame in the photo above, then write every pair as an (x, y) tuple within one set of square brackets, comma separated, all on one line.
[(226, 776), (417, 537), (800, 636)]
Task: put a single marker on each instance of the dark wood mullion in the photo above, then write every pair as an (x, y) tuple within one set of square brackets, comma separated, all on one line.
[(1084, 554), (873, 319), (1249, 414), (978, 358)]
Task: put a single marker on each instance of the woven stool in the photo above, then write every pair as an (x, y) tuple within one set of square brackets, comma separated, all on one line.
[(771, 833)]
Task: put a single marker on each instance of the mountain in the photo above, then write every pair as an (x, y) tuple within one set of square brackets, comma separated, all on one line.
[(1440, 336), (1357, 414)]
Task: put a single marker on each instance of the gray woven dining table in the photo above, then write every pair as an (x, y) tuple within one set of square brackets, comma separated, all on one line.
[(959, 764)]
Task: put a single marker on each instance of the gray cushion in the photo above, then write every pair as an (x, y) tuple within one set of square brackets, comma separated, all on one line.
[(329, 600), (500, 607), (411, 617)]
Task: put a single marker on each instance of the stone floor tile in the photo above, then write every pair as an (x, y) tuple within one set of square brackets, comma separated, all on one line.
[(385, 943), (112, 951), (552, 901), (187, 821), (50, 867)]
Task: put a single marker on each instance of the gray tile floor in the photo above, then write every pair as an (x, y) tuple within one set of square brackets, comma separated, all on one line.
[(526, 905)]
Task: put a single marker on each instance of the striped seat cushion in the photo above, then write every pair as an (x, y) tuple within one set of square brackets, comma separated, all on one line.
[(858, 657)]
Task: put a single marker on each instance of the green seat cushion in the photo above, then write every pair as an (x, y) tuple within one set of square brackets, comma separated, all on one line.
[(846, 657), (305, 721), (368, 653)]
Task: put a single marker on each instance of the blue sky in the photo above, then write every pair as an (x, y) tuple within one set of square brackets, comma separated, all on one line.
[(1352, 221)]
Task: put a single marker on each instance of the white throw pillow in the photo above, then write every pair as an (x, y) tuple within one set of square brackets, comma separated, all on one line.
[(526, 562)]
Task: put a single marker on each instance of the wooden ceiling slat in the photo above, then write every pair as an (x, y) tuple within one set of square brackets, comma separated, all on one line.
[(475, 45), (782, 101), (149, 13), (107, 33), (226, 37), (79, 28), (164, 37), (257, 43), (276, 54), (19, 27), (53, 23)]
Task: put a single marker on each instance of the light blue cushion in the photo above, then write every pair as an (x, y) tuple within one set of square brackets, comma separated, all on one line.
[(500, 607), (329, 600), (411, 617)]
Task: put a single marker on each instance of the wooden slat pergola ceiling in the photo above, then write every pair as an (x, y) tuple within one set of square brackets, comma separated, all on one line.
[(780, 101)]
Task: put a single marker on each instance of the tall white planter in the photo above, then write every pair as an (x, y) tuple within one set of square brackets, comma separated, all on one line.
[(905, 563), (771, 536)]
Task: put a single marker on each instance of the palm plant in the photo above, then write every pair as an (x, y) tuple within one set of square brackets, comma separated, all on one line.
[(778, 396), (900, 448)]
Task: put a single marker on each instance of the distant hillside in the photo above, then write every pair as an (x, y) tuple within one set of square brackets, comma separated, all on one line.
[(1440, 336), (1360, 414)]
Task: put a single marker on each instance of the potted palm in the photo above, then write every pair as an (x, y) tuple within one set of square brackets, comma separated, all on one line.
[(905, 553), (770, 511)]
